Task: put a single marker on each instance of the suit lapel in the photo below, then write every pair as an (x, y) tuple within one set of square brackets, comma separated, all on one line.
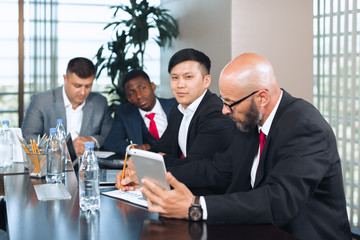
[(166, 105), (261, 168), (286, 100), (207, 95), (177, 121), (132, 123), (59, 105), (87, 115)]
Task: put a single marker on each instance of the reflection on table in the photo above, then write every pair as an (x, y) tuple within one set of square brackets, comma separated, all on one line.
[(29, 218)]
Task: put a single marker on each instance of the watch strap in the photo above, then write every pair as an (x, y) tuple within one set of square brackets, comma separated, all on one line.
[(196, 201)]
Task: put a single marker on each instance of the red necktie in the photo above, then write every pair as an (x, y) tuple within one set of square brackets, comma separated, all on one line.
[(262, 137), (152, 128)]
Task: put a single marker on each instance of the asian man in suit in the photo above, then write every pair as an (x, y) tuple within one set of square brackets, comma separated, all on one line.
[(85, 114), (282, 167), (132, 122), (197, 128)]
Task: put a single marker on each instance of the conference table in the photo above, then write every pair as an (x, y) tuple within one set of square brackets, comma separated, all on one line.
[(28, 218)]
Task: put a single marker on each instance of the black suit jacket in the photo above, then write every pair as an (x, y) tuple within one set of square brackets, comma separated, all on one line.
[(298, 185), (128, 126), (209, 132)]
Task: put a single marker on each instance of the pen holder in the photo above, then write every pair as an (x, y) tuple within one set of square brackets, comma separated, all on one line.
[(36, 164)]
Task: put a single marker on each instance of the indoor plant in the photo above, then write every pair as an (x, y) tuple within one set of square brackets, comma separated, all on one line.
[(132, 24)]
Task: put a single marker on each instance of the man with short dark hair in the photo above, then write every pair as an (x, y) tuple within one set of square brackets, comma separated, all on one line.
[(197, 128), (143, 120), (85, 114)]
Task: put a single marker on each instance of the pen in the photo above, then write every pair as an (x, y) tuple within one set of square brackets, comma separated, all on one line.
[(124, 167), (123, 171)]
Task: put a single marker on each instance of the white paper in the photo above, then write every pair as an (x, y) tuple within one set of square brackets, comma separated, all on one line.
[(130, 196), (103, 154), (56, 191)]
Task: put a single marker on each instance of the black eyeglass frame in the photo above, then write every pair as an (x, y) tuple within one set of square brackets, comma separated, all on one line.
[(237, 102)]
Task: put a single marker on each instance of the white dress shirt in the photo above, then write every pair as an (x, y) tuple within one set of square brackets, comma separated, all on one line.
[(159, 118), (74, 118), (265, 128), (185, 122)]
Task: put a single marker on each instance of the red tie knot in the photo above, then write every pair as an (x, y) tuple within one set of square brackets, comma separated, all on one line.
[(150, 116)]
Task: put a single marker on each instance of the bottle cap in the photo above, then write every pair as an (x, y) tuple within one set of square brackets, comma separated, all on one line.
[(52, 130), (89, 145), (59, 121), (5, 122)]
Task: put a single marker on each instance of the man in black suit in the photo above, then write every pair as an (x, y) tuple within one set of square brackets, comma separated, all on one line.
[(131, 121), (290, 176), (197, 129)]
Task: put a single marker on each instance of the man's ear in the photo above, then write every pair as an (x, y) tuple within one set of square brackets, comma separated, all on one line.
[(153, 86), (263, 97), (65, 78), (207, 80)]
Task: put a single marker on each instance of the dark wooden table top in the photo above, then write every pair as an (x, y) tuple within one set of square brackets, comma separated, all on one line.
[(29, 218)]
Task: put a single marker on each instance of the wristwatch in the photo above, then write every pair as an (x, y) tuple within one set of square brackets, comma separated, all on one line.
[(195, 210)]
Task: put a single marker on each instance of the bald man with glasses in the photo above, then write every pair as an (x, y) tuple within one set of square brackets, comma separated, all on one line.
[(282, 168)]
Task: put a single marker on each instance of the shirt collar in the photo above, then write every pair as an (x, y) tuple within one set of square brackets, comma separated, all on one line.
[(193, 106), (67, 102), (156, 109), (265, 128)]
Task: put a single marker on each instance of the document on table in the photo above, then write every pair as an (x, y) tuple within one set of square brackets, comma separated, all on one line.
[(103, 154), (57, 191), (134, 197)]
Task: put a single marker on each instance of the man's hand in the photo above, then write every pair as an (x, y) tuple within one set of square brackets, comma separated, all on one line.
[(172, 204), (130, 181), (143, 147), (79, 144)]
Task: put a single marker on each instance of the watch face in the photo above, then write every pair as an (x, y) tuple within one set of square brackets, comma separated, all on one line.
[(195, 213)]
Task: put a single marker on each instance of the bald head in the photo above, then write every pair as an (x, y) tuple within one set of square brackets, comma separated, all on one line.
[(249, 73)]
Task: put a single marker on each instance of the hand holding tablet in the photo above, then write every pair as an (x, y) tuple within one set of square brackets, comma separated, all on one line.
[(151, 166)]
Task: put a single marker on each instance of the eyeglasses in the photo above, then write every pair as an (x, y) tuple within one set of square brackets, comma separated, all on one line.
[(229, 106)]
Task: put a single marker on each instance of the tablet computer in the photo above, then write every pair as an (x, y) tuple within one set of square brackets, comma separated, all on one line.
[(149, 165)]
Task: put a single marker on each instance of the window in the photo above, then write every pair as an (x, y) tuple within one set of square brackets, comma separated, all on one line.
[(54, 32), (336, 86), (9, 61)]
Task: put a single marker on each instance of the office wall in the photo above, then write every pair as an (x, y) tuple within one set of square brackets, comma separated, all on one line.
[(280, 30), (205, 26)]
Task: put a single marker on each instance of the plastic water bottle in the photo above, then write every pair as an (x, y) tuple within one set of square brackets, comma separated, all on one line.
[(6, 145), (61, 134), (89, 177), (54, 164)]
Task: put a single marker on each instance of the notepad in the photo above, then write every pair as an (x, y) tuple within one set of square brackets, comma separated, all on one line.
[(134, 197), (46, 192), (103, 154)]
